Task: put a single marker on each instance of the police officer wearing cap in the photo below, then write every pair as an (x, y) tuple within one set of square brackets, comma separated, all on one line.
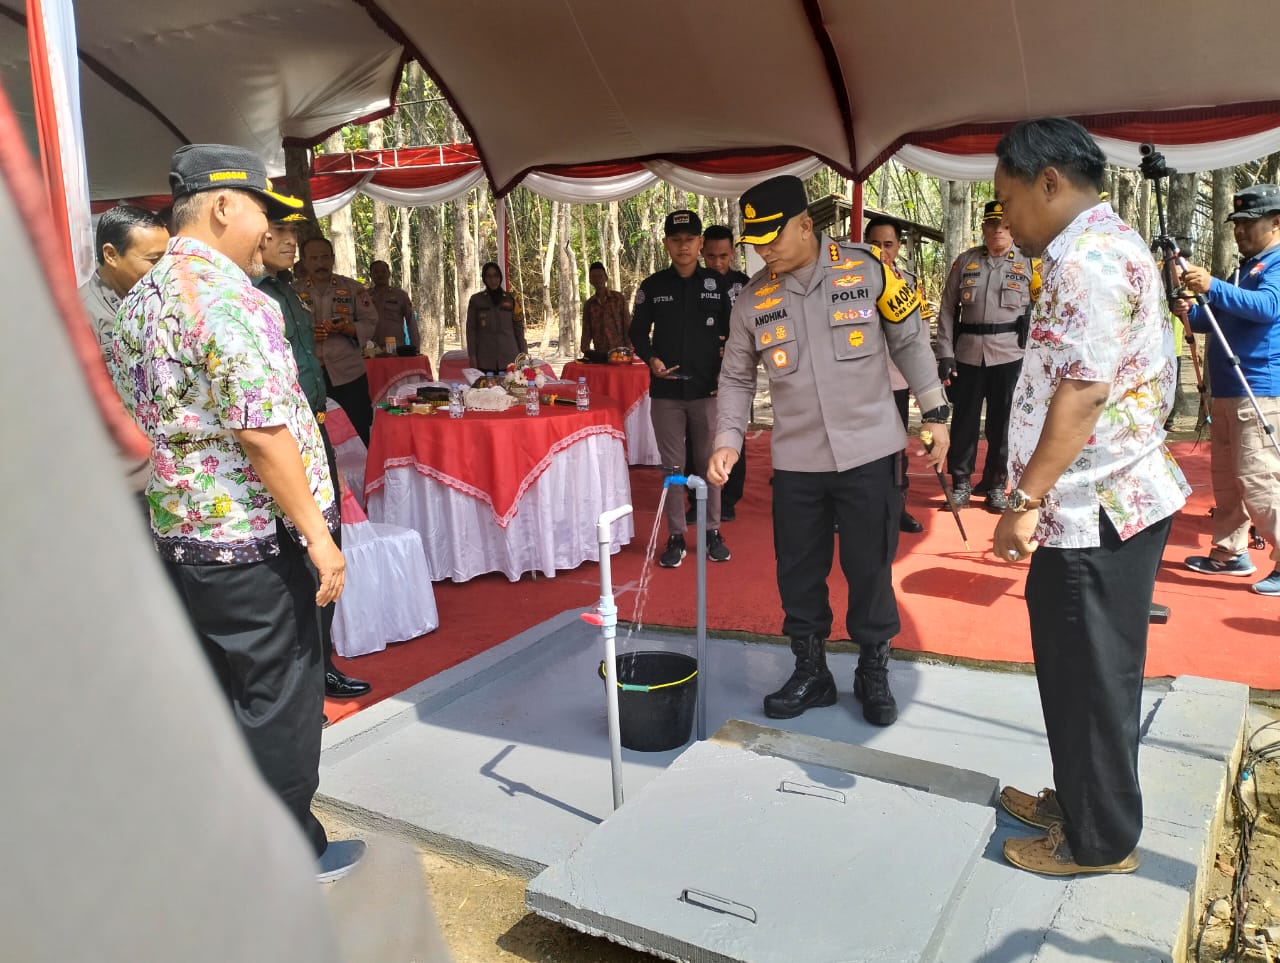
[(1246, 468), (824, 318), (678, 326), (279, 248), (987, 292)]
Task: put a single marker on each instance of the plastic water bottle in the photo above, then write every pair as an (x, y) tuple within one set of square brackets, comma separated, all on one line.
[(532, 406), (456, 406), (584, 395)]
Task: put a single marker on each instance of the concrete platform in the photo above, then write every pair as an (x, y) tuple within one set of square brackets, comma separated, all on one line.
[(505, 759)]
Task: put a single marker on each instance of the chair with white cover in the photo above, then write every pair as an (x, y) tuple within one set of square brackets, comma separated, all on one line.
[(388, 595)]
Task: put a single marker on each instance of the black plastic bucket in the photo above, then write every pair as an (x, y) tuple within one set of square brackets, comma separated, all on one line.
[(657, 695)]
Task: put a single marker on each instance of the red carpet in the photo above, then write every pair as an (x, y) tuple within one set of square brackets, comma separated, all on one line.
[(952, 602)]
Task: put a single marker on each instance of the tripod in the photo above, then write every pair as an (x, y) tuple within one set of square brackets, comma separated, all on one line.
[(1154, 169)]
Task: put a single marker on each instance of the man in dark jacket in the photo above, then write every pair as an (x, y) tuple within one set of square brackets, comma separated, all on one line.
[(678, 325)]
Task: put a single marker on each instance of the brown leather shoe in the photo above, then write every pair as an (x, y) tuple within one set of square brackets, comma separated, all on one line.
[(1040, 811), (1051, 856)]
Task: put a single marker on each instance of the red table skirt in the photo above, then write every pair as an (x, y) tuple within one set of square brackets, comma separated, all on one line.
[(386, 373), (626, 384), (492, 456)]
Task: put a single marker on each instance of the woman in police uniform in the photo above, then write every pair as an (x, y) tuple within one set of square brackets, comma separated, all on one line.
[(495, 324)]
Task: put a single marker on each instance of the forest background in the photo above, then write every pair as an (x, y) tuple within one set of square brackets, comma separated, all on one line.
[(435, 253)]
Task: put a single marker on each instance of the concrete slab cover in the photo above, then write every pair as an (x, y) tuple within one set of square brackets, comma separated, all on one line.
[(730, 855)]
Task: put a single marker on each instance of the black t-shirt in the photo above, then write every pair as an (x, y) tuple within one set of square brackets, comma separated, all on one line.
[(683, 321)]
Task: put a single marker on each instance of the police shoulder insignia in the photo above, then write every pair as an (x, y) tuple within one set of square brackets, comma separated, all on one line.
[(833, 251), (898, 300)]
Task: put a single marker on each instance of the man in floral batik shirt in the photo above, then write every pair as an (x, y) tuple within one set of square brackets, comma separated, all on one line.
[(1094, 492), (240, 493)]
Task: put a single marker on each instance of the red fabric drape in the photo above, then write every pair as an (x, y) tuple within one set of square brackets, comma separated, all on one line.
[(47, 126)]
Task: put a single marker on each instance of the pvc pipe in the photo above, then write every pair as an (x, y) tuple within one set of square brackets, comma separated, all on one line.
[(608, 621), (699, 489)]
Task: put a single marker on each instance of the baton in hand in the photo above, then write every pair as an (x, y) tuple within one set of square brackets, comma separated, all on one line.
[(926, 439)]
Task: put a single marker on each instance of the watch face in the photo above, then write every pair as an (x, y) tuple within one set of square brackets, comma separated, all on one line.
[(1017, 500)]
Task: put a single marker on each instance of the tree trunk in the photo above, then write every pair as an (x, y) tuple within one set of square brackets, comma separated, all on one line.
[(613, 252), (1144, 210), (405, 276), (955, 221), (1270, 169), (548, 257), (381, 213), (1126, 199), (431, 306), (567, 288), (1224, 244), (297, 182), (340, 229), (1182, 208)]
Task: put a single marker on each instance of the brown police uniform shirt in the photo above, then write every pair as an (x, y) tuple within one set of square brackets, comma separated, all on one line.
[(495, 332), (981, 291), (825, 346), (395, 313), (342, 300)]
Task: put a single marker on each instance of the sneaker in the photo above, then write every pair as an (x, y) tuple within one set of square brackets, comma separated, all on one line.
[(339, 858), (960, 494), (1041, 811), (1208, 565), (1269, 585), (1051, 856), (717, 550), (997, 501), (674, 553)]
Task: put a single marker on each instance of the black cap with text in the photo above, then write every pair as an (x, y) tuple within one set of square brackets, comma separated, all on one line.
[(209, 167)]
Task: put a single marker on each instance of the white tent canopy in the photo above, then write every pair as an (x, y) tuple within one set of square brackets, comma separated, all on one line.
[(544, 83)]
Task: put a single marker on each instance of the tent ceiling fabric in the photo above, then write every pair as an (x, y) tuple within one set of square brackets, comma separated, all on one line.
[(247, 72), (576, 81), (545, 83)]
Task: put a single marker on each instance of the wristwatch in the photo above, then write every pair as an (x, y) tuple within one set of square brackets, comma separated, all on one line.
[(1020, 501), (936, 416)]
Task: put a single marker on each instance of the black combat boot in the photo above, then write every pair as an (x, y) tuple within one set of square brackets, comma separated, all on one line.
[(871, 684), (811, 684)]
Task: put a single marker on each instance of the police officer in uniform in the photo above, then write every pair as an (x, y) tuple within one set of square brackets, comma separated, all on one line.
[(344, 319), (987, 295), (495, 324), (678, 326), (396, 317), (824, 318)]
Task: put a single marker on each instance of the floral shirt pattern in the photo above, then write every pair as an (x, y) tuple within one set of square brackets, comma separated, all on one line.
[(199, 351), (605, 322), (1100, 317)]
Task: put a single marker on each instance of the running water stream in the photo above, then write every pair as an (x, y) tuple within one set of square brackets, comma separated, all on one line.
[(642, 593)]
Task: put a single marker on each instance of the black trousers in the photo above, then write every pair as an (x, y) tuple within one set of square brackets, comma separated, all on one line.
[(327, 613), (354, 399), (867, 503), (260, 630), (973, 385), (902, 401), (1089, 610)]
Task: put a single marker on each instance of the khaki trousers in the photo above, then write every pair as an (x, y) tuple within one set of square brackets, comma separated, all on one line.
[(1246, 475)]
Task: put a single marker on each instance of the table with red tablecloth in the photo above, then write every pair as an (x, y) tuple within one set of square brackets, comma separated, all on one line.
[(501, 491), (627, 384), (386, 375), (452, 364)]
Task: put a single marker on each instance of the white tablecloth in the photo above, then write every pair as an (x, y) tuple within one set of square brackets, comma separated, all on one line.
[(554, 528), (388, 595), (642, 445)]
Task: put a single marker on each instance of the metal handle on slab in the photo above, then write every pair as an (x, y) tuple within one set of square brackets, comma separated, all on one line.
[(718, 904), (804, 789)]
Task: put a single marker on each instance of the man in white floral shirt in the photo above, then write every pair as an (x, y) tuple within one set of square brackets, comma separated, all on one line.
[(1095, 492), (240, 495)]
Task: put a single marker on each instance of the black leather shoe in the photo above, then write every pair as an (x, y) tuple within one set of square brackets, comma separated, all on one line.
[(810, 685), (997, 501), (340, 686), (871, 685), (908, 523)]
